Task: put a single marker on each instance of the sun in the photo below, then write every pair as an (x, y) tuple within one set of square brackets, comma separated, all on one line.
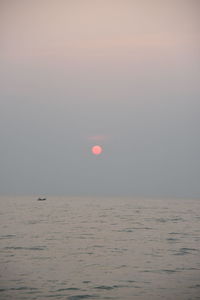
[(96, 150)]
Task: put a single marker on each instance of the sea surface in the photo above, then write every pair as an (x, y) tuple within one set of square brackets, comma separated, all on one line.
[(99, 248)]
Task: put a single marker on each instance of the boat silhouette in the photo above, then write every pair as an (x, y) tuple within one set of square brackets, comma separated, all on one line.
[(41, 199)]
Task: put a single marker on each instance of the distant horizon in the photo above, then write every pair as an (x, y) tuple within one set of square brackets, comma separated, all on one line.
[(101, 196)]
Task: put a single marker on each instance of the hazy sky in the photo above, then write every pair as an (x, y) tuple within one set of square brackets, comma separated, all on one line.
[(120, 73)]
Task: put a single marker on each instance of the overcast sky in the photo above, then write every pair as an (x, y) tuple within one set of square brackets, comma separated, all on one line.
[(123, 74)]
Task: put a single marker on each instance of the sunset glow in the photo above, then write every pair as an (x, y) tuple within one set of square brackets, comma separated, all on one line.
[(96, 150)]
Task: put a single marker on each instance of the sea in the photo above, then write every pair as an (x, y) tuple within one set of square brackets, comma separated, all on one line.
[(99, 248)]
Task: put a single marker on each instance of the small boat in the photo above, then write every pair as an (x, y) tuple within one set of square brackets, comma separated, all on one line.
[(41, 199)]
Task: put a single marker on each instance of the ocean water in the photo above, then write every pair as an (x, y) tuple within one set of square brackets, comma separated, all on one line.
[(99, 248)]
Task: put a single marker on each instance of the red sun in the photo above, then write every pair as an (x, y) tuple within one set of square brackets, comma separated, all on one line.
[(96, 150)]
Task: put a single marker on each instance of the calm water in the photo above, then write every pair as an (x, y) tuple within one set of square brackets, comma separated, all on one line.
[(86, 248)]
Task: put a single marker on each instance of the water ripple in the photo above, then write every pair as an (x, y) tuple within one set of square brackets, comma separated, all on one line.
[(77, 297), (26, 248)]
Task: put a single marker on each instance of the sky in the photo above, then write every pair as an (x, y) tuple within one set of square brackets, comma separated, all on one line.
[(122, 74)]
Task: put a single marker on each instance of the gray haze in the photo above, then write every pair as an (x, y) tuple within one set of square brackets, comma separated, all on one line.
[(121, 74)]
